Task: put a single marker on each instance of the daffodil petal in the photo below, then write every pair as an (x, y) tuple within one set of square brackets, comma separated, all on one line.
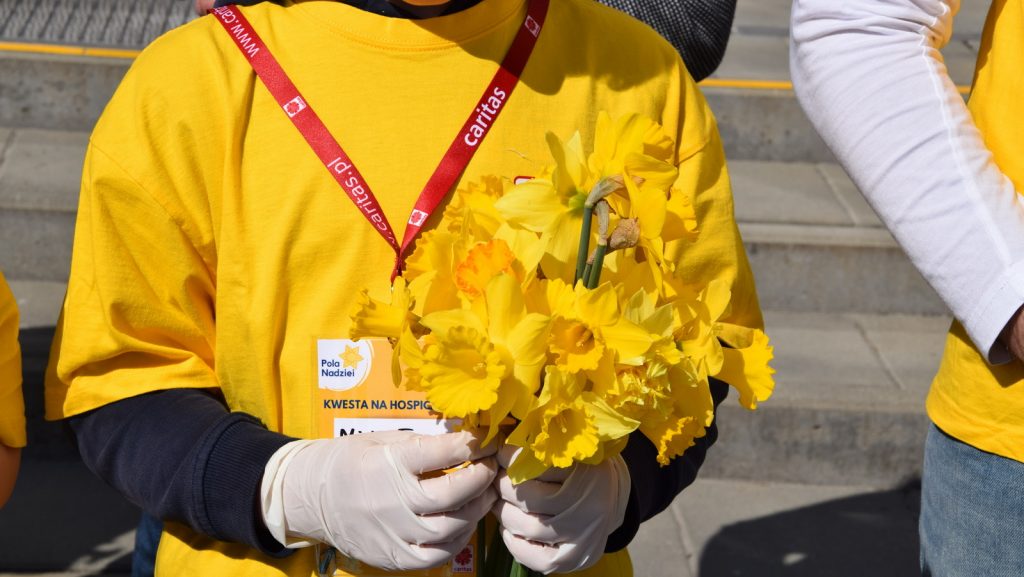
[(562, 243), (526, 467), (505, 307), (527, 381), (717, 297), (628, 340), (648, 205), (525, 244), (532, 205), (747, 371), (597, 307), (569, 162), (527, 341), (443, 321), (657, 174), (610, 423), (561, 298), (500, 410)]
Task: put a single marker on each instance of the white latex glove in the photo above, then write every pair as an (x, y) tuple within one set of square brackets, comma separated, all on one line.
[(363, 495), (560, 521)]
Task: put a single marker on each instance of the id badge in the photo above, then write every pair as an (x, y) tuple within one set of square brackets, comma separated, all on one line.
[(355, 395)]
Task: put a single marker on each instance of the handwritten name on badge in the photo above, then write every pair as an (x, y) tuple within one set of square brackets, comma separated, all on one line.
[(343, 364)]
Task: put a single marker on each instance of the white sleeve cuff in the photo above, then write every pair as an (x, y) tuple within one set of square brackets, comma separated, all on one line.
[(272, 494), (997, 307)]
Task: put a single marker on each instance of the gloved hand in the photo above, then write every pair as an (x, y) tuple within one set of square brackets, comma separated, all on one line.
[(560, 521), (363, 495)]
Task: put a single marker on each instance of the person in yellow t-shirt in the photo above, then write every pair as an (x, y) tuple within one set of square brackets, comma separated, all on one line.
[(12, 405), (946, 178), (213, 252)]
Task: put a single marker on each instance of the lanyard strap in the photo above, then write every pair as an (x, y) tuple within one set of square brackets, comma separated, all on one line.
[(340, 165)]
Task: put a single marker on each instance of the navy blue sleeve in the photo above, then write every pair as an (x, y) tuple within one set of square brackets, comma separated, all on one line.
[(181, 456), (653, 487)]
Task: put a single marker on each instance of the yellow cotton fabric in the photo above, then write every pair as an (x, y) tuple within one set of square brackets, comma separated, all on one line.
[(213, 248), (12, 404), (979, 404)]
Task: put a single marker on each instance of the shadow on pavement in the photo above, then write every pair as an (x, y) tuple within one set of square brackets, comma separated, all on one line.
[(871, 534), (60, 517)]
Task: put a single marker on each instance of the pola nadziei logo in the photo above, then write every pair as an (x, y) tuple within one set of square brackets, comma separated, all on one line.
[(343, 364)]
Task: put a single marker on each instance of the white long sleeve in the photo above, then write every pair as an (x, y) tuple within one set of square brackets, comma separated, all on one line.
[(870, 77)]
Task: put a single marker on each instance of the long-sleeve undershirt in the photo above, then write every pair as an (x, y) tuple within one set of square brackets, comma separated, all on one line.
[(870, 77)]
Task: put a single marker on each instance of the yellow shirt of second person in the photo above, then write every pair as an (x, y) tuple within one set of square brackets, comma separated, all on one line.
[(12, 405), (980, 404), (213, 248)]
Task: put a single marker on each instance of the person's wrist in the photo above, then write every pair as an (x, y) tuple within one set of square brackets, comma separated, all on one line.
[(273, 495), (1012, 336)]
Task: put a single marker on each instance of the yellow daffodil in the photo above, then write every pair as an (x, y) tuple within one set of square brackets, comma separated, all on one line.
[(630, 151), (429, 270), (747, 370), (692, 412), (486, 359), (701, 326), (566, 425), (475, 202), (482, 263), (383, 317), (391, 318), (493, 322), (462, 371), (587, 327)]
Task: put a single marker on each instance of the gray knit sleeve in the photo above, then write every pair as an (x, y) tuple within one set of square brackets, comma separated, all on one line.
[(699, 29)]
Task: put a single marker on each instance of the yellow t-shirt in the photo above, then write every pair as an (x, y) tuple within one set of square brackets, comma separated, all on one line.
[(212, 248), (979, 404), (12, 405)]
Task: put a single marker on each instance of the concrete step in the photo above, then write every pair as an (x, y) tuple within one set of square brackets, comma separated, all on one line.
[(816, 245), (813, 242), (848, 406)]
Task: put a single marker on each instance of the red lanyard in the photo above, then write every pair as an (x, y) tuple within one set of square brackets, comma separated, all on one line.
[(341, 167)]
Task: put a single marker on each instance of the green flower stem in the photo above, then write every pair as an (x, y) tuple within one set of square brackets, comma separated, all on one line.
[(581, 255), (481, 538), (519, 570), (497, 561), (595, 270)]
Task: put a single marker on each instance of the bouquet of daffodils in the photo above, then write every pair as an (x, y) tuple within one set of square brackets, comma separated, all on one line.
[(553, 302)]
